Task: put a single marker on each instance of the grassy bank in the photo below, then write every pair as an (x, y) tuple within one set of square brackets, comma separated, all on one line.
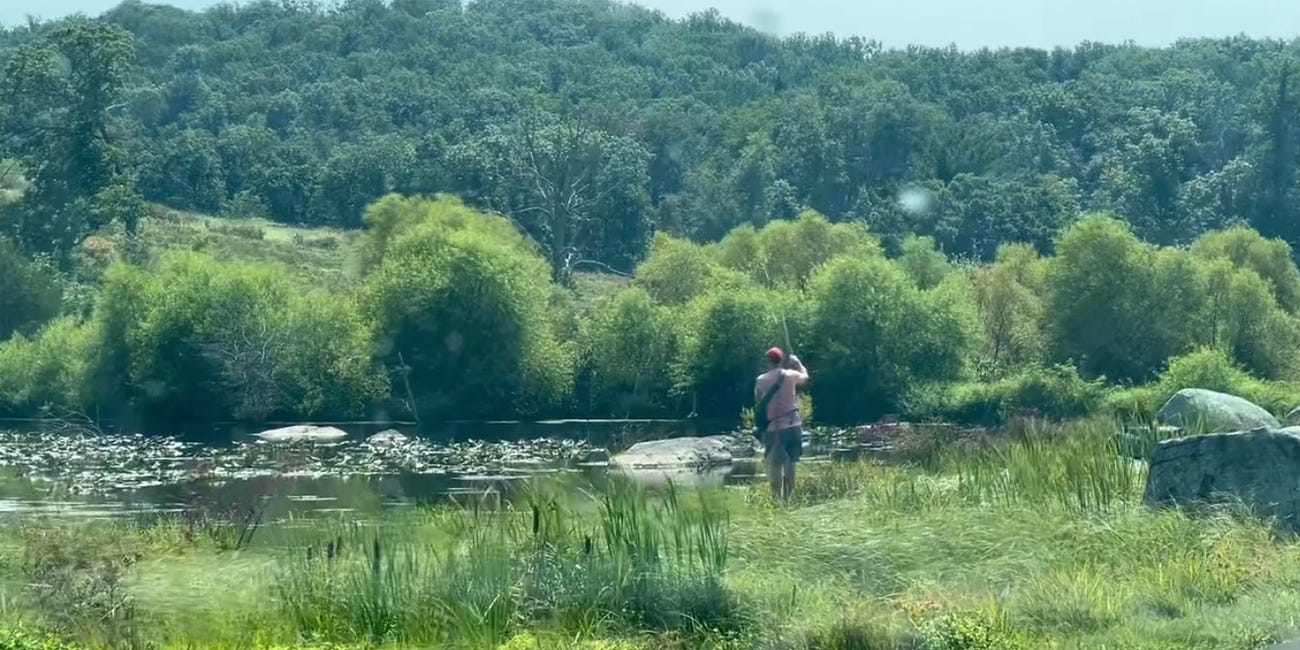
[(1035, 542)]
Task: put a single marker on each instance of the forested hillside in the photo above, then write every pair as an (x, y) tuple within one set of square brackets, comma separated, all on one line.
[(594, 123), (945, 234)]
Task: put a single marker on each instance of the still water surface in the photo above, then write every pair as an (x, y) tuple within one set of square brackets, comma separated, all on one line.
[(116, 475)]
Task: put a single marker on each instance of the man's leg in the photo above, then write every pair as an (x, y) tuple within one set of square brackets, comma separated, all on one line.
[(792, 444), (776, 462)]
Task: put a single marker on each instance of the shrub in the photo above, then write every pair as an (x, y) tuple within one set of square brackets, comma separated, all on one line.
[(631, 343), (1208, 368), (1271, 259), (30, 294), (1055, 392), (19, 638), (78, 577), (873, 335), (787, 253), (196, 339), (727, 331), (922, 262), (972, 631), (46, 373), (676, 271), (394, 214), (1009, 293), (1243, 318), (1106, 306), (467, 313)]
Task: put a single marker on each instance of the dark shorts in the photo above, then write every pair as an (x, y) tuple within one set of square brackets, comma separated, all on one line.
[(784, 446)]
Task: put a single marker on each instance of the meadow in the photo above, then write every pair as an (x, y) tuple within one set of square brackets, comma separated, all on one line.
[(1035, 537)]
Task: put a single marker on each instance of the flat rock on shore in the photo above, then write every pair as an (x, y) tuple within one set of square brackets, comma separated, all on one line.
[(703, 452)]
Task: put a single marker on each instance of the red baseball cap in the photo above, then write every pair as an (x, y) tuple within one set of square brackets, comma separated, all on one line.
[(775, 355)]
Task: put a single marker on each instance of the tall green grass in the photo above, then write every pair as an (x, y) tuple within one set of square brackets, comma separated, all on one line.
[(634, 564), (1081, 467)]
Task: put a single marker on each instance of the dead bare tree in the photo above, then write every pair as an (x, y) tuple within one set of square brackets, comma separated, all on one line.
[(560, 181), (250, 358)]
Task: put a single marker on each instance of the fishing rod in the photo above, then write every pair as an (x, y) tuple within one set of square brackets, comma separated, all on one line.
[(789, 349)]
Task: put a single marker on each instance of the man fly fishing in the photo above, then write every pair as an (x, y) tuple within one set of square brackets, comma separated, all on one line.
[(777, 421)]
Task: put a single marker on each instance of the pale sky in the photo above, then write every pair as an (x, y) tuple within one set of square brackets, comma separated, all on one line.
[(967, 23)]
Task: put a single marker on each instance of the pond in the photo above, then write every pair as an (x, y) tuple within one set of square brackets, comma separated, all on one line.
[(51, 472)]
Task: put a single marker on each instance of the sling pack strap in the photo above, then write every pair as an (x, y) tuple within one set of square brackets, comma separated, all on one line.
[(760, 411)]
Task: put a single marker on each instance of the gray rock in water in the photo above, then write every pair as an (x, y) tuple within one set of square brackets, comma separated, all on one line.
[(708, 451), (1204, 411), (1259, 467), (302, 433), (388, 438)]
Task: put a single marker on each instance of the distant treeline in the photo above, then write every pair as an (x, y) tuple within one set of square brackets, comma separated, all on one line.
[(594, 124)]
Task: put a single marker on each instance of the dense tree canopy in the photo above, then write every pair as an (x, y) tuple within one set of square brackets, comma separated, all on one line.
[(593, 123)]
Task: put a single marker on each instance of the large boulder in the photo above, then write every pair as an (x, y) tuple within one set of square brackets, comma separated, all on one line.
[(708, 451), (1259, 467), (302, 433), (1204, 411)]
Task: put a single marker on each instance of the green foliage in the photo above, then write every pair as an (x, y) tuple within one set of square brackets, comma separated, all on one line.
[(873, 335), (1244, 318), (1208, 368), (926, 266), (30, 294), (727, 331), (678, 271), (587, 123), (971, 631), (631, 343), (577, 189), (1114, 304), (466, 311), (19, 638), (787, 253), (1057, 393), (1010, 293), (79, 574), (394, 215), (61, 93), (170, 339), (1270, 258), (46, 373)]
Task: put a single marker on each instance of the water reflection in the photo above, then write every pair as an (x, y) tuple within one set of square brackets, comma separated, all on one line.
[(146, 478)]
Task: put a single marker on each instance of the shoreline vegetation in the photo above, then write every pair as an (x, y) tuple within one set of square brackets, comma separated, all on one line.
[(214, 332), (1037, 539)]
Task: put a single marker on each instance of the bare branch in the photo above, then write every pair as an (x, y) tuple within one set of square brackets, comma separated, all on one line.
[(603, 266)]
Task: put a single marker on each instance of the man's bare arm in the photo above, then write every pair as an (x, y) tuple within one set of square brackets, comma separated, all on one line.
[(800, 372)]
